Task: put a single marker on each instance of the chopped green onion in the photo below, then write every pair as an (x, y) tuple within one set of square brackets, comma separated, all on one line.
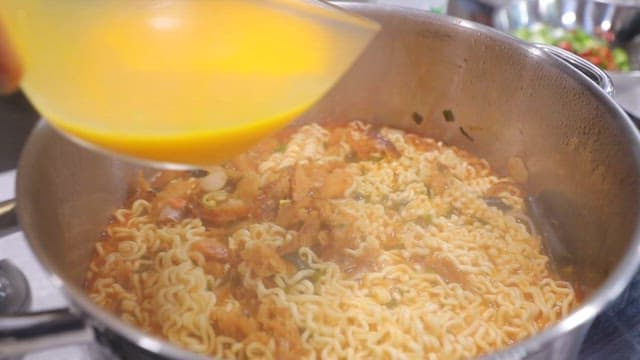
[(296, 260), (417, 118), (376, 157), (219, 195), (208, 200), (424, 220), (465, 133), (448, 116), (284, 202), (280, 148), (393, 303)]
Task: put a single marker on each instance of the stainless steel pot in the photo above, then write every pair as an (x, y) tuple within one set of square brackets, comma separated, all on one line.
[(509, 100)]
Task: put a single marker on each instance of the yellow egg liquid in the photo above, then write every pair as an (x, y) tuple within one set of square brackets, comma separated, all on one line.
[(179, 81)]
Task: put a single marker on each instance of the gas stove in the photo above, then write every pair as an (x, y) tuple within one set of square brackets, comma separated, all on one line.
[(45, 296)]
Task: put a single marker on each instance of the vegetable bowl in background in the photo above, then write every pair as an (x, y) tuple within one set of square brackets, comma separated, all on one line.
[(596, 48), (601, 31)]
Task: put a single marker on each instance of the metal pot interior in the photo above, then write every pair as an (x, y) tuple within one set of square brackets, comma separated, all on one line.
[(508, 101)]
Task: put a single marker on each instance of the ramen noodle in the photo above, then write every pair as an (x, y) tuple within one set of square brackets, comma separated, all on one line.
[(346, 242)]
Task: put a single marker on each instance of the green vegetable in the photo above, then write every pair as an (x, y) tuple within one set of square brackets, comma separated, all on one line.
[(539, 34), (465, 133), (376, 157), (417, 118), (448, 116), (284, 202), (424, 220), (392, 304), (590, 47), (621, 59), (208, 200), (296, 260), (280, 148)]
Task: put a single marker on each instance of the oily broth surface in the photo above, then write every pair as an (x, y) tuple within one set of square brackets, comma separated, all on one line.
[(331, 242)]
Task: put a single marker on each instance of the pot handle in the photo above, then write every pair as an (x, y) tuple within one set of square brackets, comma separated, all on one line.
[(588, 69), (20, 334)]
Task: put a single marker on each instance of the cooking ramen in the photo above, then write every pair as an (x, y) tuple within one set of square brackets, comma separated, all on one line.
[(347, 241)]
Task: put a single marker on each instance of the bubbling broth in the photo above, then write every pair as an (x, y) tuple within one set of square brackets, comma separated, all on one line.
[(348, 241)]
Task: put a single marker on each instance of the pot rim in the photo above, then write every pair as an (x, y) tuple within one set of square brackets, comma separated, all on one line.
[(610, 289)]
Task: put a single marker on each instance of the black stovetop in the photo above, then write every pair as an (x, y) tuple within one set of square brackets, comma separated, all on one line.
[(615, 334)]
